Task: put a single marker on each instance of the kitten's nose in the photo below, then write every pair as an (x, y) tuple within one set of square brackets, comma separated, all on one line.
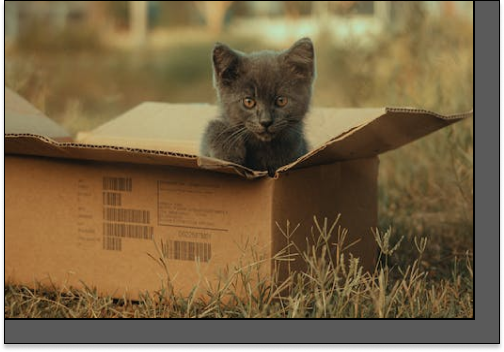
[(265, 123)]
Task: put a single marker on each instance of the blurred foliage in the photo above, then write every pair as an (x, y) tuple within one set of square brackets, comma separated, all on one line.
[(426, 63)]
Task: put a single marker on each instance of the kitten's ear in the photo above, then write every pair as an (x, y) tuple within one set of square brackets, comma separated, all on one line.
[(300, 58), (225, 63)]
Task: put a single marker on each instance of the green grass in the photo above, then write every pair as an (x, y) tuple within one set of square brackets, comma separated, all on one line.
[(333, 286), (425, 188)]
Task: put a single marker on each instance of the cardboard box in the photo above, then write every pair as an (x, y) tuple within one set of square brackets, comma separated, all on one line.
[(109, 209)]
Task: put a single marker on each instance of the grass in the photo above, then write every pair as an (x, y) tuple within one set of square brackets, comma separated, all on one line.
[(425, 188), (333, 286)]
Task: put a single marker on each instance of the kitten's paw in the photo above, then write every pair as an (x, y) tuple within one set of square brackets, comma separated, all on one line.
[(271, 171), (236, 156)]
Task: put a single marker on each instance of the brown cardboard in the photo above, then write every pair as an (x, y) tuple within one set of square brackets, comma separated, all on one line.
[(103, 211), (178, 128), (65, 225), (349, 188)]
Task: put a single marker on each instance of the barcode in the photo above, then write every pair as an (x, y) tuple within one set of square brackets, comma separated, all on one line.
[(112, 199), (112, 243), (117, 184), (129, 231), (126, 215), (182, 250)]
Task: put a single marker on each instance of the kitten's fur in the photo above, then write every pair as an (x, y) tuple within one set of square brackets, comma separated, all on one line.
[(266, 136)]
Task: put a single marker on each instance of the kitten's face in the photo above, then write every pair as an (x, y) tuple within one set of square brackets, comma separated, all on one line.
[(266, 93)]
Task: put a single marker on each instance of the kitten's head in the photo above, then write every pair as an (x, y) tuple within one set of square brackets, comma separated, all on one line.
[(266, 92)]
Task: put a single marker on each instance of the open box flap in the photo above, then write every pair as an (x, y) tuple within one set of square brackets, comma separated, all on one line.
[(29, 144), (393, 129), (169, 134), (179, 127), (22, 117)]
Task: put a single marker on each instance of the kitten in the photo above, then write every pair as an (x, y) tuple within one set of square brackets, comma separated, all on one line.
[(263, 98)]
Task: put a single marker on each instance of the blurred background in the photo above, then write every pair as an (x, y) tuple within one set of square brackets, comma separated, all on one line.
[(85, 62)]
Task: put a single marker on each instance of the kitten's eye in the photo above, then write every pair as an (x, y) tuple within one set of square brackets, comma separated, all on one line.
[(249, 103), (281, 101)]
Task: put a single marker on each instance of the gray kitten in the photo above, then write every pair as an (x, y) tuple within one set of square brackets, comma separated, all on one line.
[(263, 98)]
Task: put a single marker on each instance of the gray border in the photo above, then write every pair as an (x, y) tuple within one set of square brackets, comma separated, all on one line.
[(483, 329)]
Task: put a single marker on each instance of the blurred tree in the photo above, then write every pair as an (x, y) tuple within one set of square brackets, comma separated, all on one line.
[(292, 9), (345, 7), (11, 20), (118, 14), (98, 14), (214, 13), (138, 22)]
